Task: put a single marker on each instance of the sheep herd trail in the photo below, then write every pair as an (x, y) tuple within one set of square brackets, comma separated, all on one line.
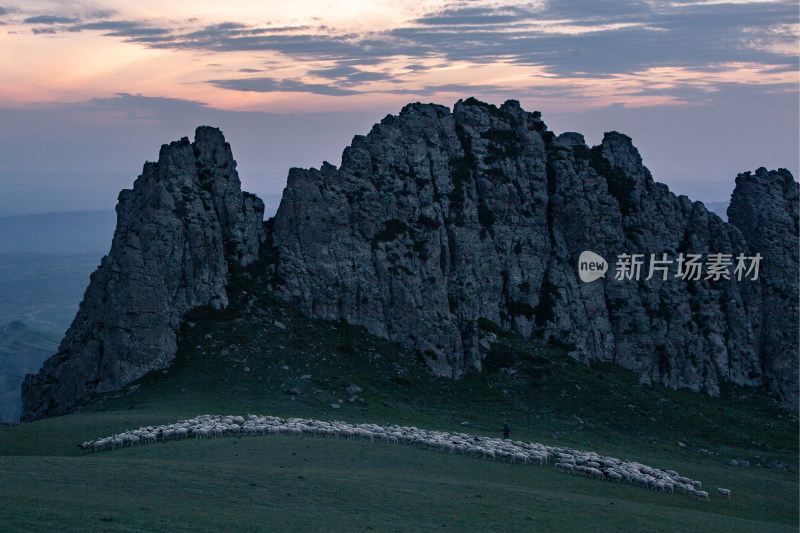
[(587, 463)]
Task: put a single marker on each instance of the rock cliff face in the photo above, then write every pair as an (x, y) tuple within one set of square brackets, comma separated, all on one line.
[(764, 207), (185, 220), (437, 224), (437, 219)]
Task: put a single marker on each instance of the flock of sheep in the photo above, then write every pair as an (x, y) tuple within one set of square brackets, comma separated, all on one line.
[(566, 460)]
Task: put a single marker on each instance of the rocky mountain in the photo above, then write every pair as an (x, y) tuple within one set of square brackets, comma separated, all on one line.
[(179, 229), (437, 220), (22, 351), (439, 225), (764, 207)]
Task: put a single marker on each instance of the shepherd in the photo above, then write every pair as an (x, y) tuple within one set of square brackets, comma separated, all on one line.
[(506, 430)]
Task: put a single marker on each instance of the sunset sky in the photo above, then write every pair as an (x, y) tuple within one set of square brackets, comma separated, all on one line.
[(90, 90)]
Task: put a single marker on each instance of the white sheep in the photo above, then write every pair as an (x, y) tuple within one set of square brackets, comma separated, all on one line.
[(724, 492), (566, 466), (520, 457), (566, 459), (595, 473)]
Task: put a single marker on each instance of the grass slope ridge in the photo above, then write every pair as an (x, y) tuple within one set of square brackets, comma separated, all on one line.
[(261, 357)]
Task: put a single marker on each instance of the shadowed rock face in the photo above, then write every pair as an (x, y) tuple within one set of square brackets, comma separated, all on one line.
[(764, 206), (178, 229), (436, 219)]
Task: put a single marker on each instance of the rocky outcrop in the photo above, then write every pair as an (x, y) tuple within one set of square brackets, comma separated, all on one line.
[(439, 225), (436, 220), (764, 207), (179, 229)]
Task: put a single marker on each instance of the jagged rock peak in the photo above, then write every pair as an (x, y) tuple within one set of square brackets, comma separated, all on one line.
[(764, 206), (438, 227), (178, 230), (438, 219)]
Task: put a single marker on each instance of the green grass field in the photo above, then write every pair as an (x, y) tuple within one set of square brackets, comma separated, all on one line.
[(230, 362)]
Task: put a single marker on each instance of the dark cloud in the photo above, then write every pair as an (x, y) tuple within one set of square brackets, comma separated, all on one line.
[(361, 61), (733, 18), (132, 30), (334, 72), (653, 40), (617, 37), (156, 41), (688, 37), (307, 47), (789, 66), (474, 16), (3, 11), (268, 85), (224, 26), (136, 33), (108, 25), (216, 34), (136, 106), (49, 19), (280, 29), (349, 75), (106, 14), (363, 76), (619, 10), (123, 28)]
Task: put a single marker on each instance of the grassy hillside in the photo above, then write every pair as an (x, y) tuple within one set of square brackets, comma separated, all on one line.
[(259, 357)]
